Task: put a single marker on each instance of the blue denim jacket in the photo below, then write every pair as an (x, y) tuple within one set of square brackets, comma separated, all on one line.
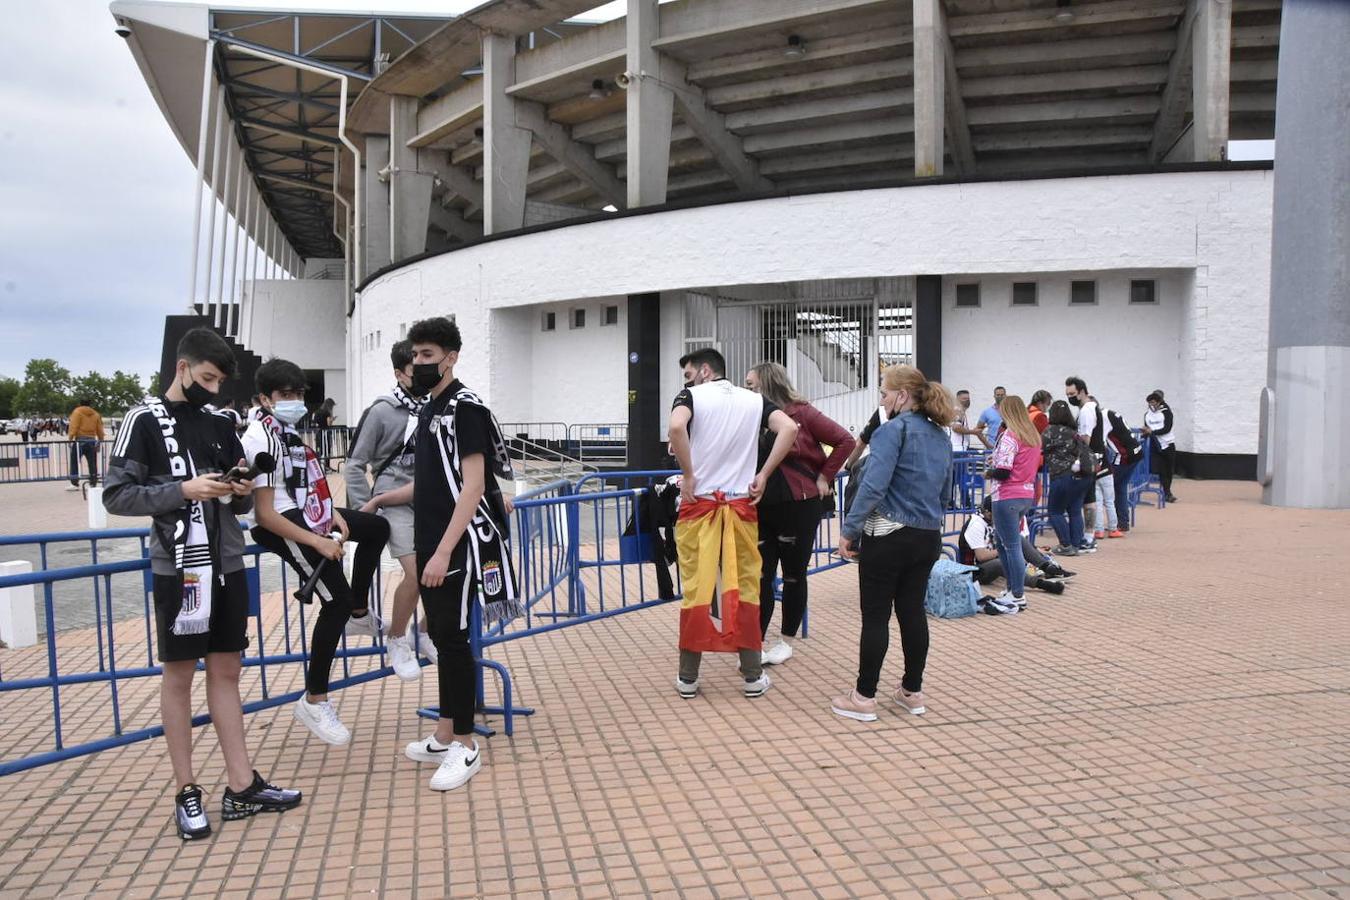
[(908, 476)]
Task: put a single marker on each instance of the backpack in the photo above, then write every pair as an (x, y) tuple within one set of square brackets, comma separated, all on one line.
[(952, 593), (1087, 460)]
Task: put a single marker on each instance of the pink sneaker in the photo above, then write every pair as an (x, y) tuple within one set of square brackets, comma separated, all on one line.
[(854, 706), (911, 701)]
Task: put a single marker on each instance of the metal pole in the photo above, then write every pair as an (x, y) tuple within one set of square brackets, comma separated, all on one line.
[(215, 185), (203, 126)]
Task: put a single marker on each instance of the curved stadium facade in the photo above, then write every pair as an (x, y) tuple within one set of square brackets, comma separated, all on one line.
[(1006, 192)]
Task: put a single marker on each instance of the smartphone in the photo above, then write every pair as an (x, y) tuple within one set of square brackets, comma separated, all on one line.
[(238, 473)]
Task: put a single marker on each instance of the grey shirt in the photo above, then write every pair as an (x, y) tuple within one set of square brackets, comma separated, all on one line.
[(384, 433)]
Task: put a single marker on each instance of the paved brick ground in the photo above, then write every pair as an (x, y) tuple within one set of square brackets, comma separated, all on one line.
[(1174, 725)]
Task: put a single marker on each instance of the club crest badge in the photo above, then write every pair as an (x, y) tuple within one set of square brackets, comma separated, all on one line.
[(192, 596), (492, 579)]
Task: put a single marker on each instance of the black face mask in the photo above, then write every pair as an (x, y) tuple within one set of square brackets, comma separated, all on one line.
[(1076, 400), (425, 376), (196, 395)]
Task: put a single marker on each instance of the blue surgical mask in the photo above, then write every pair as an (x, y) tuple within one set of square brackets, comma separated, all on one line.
[(289, 411)]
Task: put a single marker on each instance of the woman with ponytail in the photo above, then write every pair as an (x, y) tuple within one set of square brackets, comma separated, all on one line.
[(894, 530), (1012, 475)]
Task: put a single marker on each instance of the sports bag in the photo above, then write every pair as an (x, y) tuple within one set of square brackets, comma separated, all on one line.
[(952, 593)]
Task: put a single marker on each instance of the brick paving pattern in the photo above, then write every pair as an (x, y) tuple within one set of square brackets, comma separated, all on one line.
[(1176, 724)]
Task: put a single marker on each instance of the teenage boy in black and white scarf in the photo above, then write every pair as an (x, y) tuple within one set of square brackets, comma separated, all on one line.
[(296, 517), (461, 529), (166, 463)]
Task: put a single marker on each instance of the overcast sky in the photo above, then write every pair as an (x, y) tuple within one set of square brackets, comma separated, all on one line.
[(96, 195)]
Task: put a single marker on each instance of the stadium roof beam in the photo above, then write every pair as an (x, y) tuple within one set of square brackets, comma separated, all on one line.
[(577, 157), (710, 127), (298, 133), (1177, 92), (1085, 15), (506, 146), (453, 224), (448, 114)]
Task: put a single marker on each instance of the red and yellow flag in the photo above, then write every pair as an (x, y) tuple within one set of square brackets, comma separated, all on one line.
[(719, 537)]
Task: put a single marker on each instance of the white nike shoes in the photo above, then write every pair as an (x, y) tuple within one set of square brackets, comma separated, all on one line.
[(458, 763)]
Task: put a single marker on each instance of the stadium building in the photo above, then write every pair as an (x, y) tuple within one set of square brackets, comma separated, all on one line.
[(1006, 192)]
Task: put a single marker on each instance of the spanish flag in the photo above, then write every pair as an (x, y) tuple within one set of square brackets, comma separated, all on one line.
[(719, 536)]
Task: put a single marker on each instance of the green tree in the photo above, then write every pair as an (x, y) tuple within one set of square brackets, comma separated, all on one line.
[(124, 392), (9, 392), (152, 385), (46, 389), (92, 389)]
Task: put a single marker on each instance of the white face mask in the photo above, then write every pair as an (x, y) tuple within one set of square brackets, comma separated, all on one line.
[(289, 411)]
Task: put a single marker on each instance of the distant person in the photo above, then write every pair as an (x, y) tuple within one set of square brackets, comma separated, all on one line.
[(794, 502), (1158, 425), (1069, 463), (894, 530), (21, 426), (85, 433), (1012, 473), (714, 433), (166, 463), (1108, 524), (1039, 409), (991, 420), (962, 432)]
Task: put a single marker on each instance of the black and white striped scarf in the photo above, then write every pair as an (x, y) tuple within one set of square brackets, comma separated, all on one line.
[(489, 534), (406, 400)]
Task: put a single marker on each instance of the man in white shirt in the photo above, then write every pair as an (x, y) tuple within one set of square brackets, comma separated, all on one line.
[(714, 434), (1090, 430)]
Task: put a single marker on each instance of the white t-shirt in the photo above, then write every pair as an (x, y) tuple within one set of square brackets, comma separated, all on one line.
[(979, 534), (960, 442), (258, 438), (724, 435)]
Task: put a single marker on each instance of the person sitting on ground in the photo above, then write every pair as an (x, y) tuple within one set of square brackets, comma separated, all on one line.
[(978, 545)]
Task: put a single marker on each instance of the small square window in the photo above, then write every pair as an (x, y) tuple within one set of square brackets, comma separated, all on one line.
[(1144, 291), (1024, 293), (1083, 292), (578, 318), (550, 321), (968, 294), (610, 316)]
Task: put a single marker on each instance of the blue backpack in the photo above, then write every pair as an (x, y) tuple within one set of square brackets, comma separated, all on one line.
[(952, 593)]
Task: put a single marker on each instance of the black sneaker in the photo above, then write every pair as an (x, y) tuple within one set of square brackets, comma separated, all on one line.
[(189, 814), (1054, 570), (257, 797), (1171, 498), (1050, 586)]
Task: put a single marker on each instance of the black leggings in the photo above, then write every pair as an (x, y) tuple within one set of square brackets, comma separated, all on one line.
[(1167, 460), (337, 598), (893, 574), (448, 610), (787, 535)]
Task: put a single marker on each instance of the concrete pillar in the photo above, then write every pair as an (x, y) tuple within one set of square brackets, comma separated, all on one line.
[(930, 48), (506, 147), (1304, 457), (409, 189), (651, 107), (375, 235), (928, 325), (646, 406), (1211, 54)]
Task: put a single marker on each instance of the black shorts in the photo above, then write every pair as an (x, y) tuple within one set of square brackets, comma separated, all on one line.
[(229, 619)]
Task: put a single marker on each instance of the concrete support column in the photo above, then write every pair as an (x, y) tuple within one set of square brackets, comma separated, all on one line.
[(646, 406), (1304, 457), (232, 158), (930, 65), (1211, 54), (375, 235), (203, 127), (409, 189), (651, 107), (928, 325), (506, 147)]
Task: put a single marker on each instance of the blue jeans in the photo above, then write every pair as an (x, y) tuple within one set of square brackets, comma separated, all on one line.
[(1008, 526), (1067, 494)]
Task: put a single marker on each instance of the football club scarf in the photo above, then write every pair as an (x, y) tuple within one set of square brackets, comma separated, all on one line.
[(709, 530), (305, 476), (489, 534), (189, 540)]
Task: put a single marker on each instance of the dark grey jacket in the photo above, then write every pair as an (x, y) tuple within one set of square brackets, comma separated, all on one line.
[(138, 482)]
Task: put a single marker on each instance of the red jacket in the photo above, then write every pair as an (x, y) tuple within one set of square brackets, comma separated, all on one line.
[(807, 458)]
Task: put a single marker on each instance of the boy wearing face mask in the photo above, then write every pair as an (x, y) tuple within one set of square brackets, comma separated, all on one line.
[(296, 516), (166, 463)]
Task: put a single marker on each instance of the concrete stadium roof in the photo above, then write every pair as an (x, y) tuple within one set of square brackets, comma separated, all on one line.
[(806, 94)]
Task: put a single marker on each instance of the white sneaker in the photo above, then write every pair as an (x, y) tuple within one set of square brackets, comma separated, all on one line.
[(402, 658), (459, 765), (757, 687), (428, 750), (368, 625), (776, 655), (321, 718), (686, 689), (422, 641)]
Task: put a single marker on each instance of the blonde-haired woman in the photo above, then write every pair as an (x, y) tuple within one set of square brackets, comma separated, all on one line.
[(793, 502), (894, 529), (1012, 472)]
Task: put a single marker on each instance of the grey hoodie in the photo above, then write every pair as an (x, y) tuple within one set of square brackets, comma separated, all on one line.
[(382, 435)]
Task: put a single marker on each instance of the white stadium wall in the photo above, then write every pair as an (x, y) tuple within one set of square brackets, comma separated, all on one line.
[(1204, 235), (301, 320)]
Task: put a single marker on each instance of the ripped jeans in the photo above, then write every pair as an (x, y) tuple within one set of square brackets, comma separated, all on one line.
[(787, 537)]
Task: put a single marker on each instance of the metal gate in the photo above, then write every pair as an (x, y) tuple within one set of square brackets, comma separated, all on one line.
[(834, 350)]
